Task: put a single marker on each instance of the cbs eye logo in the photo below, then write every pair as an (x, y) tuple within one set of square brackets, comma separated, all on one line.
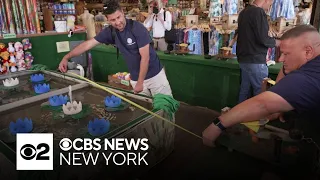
[(65, 144), (29, 152), (34, 151)]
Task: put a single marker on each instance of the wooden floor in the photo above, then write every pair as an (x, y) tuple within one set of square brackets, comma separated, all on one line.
[(192, 160)]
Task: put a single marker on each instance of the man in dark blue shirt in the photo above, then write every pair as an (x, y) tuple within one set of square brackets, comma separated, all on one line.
[(298, 91), (133, 41)]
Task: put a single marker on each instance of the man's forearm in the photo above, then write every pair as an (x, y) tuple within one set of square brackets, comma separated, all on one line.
[(262, 31), (247, 111), (268, 41), (233, 41), (76, 52), (80, 49), (144, 64), (256, 108)]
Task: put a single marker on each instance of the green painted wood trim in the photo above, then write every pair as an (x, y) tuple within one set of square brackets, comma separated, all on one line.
[(194, 59), (194, 80)]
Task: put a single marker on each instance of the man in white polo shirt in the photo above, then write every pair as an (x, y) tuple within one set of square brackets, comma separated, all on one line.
[(160, 21)]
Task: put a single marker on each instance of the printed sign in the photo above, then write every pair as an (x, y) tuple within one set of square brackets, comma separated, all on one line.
[(9, 36), (63, 46), (124, 82)]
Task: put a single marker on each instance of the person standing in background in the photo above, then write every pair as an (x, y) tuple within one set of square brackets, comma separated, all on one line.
[(88, 20), (160, 21), (253, 42)]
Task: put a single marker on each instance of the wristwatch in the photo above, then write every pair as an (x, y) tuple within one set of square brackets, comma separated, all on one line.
[(217, 122)]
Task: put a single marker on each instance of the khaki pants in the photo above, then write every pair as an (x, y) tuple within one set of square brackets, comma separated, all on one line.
[(155, 85), (160, 44)]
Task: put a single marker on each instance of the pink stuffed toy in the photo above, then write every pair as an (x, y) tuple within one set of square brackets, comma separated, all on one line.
[(18, 46), (20, 60), (20, 56)]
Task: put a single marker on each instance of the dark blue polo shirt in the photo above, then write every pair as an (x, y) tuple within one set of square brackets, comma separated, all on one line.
[(129, 41), (301, 88)]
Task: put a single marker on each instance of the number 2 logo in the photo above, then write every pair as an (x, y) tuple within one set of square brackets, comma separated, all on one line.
[(29, 152)]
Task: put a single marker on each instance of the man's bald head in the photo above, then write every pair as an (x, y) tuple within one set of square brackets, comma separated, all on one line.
[(298, 46), (304, 35), (302, 30)]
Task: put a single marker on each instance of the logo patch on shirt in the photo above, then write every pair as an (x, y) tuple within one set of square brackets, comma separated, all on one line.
[(129, 41)]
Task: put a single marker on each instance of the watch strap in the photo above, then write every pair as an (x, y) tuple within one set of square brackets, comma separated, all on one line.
[(218, 123)]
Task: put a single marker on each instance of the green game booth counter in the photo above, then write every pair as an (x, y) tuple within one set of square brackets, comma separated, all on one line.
[(194, 80), (44, 47)]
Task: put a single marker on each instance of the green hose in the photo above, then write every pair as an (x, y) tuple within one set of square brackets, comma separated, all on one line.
[(38, 67), (166, 103)]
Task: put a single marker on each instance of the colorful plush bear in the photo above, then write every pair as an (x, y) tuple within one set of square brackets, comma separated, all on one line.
[(3, 69), (2, 47), (4, 61), (26, 44), (28, 59)]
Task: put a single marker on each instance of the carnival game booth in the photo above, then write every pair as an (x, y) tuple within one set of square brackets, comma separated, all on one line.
[(69, 107)]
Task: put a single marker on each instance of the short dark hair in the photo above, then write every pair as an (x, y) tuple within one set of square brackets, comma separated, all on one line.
[(298, 31), (111, 6)]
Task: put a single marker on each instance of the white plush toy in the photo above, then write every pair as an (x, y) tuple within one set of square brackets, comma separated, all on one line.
[(11, 48), (12, 59)]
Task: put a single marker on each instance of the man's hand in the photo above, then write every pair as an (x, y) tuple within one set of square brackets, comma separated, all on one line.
[(138, 88), (150, 10), (63, 66), (210, 134), (81, 48), (272, 33), (144, 65), (276, 116)]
